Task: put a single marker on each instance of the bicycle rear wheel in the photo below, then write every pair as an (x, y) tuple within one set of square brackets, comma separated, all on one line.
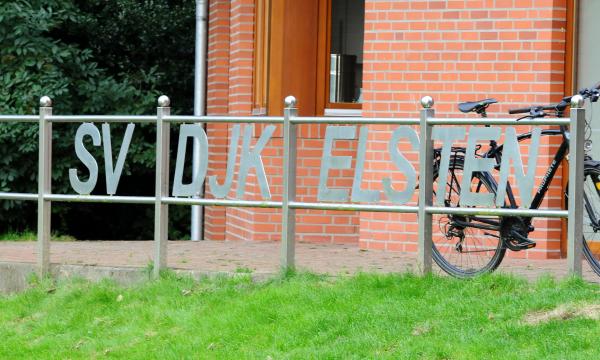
[(463, 247), (591, 217)]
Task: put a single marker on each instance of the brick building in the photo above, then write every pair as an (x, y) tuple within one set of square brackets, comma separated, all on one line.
[(378, 58)]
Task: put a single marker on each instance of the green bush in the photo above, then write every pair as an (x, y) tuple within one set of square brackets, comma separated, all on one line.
[(92, 57)]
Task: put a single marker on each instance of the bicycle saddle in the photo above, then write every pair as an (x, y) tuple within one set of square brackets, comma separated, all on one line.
[(475, 106)]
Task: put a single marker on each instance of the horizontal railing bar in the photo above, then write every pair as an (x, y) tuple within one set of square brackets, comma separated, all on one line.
[(100, 199), (19, 118), (224, 119), (279, 120), (18, 196), (354, 120), (467, 121), (221, 202), (294, 205), (101, 118), (545, 213), (353, 207)]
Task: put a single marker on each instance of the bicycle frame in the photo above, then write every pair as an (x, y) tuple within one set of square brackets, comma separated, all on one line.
[(495, 152)]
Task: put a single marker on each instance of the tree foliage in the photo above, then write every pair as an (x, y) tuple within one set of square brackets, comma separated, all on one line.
[(90, 57)]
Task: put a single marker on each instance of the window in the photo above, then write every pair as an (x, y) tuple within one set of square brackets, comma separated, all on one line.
[(312, 49), (340, 57), (261, 57), (346, 33)]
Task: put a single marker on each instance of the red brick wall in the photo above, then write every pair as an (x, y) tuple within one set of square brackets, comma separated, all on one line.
[(455, 51), (512, 50)]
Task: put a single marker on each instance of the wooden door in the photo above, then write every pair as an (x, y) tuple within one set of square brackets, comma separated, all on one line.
[(293, 58)]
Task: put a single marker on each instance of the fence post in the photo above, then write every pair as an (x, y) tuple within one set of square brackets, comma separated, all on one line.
[(288, 216), (576, 181), (161, 211), (425, 187), (44, 187)]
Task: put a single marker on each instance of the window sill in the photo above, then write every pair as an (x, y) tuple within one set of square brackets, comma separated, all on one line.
[(343, 112), (259, 112)]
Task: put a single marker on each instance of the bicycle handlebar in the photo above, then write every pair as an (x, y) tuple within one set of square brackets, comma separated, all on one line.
[(528, 110), (592, 93), (519, 110)]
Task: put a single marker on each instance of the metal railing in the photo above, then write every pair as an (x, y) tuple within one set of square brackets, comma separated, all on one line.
[(288, 204)]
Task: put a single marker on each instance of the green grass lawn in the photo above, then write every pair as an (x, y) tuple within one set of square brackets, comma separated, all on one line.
[(31, 236), (304, 316)]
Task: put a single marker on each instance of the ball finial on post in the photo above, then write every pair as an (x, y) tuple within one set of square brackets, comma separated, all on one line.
[(164, 101), (577, 102), (427, 102), (45, 101), (290, 101)]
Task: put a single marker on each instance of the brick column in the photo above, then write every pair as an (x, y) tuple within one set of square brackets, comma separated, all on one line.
[(217, 104)]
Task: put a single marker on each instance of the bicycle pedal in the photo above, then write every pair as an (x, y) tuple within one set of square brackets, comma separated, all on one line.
[(527, 245), (515, 245), (520, 242)]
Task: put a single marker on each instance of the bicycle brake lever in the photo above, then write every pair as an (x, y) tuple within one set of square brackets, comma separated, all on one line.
[(537, 112)]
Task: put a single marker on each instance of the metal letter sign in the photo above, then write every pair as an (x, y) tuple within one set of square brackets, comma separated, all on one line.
[(448, 135), (402, 197), (197, 133), (251, 159), (85, 187), (113, 175), (329, 161), (221, 191), (473, 163), (477, 164), (359, 194), (524, 181)]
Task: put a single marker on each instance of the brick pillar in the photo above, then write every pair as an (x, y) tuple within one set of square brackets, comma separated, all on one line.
[(217, 104)]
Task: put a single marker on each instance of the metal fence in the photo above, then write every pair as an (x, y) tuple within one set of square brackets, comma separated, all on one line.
[(288, 204)]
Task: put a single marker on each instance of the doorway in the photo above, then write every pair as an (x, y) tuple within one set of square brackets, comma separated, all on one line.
[(588, 65)]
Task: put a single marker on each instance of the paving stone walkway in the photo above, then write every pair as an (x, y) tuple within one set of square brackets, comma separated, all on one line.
[(259, 257)]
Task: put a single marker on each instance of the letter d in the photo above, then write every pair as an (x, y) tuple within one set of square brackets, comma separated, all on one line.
[(198, 134)]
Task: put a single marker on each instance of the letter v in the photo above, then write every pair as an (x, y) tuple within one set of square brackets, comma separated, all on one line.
[(113, 175)]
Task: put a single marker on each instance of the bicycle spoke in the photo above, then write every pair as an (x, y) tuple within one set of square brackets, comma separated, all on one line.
[(465, 246)]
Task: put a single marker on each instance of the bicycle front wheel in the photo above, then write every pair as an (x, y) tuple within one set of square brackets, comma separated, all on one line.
[(465, 246)]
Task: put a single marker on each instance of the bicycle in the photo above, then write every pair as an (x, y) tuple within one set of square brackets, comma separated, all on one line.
[(473, 245)]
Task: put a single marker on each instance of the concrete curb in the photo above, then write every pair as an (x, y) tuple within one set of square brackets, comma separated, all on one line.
[(14, 277)]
